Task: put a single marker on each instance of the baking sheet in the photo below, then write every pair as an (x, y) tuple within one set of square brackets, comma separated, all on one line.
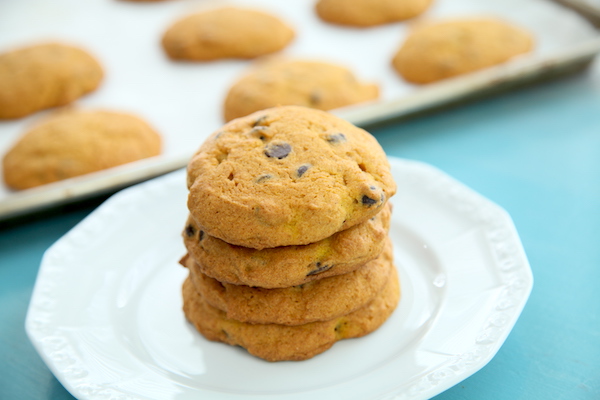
[(183, 101)]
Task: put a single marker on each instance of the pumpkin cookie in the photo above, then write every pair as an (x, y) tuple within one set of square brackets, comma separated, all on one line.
[(287, 266), (312, 84), (74, 143), (44, 76), (286, 176), (274, 342), (318, 300), (365, 13), (226, 33), (437, 51)]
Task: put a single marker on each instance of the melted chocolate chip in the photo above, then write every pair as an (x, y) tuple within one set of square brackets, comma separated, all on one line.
[(201, 236), (263, 178), (260, 120), (258, 132), (336, 138), (320, 268), (367, 201), (278, 151), (302, 169), (190, 231)]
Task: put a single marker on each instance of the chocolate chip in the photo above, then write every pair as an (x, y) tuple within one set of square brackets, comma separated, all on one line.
[(320, 268), (201, 236), (263, 178), (278, 151), (190, 230), (367, 201), (260, 120), (336, 138), (302, 169)]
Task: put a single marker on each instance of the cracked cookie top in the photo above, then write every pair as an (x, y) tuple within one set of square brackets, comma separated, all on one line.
[(286, 176)]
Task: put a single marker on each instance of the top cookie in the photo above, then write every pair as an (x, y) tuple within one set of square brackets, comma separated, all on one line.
[(286, 176), (226, 32), (43, 76), (437, 51), (369, 12), (281, 82)]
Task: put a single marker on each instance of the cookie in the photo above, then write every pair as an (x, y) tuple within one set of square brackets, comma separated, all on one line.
[(319, 85), (44, 76), (437, 51), (364, 13), (318, 300), (286, 176), (274, 342), (74, 143), (226, 32), (288, 266)]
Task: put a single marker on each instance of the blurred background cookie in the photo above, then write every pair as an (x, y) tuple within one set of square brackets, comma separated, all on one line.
[(441, 50), (226, 32), (365, 13), (74, 143), (46, 75), (313, 84)]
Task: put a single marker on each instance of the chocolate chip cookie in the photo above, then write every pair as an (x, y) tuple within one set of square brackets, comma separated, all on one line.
[(442, 50), (287, 266), (274, 342), (43, 76), (74, 143), (277, 82), (319, 300), (286, 176), (363, 13), (226, 32)]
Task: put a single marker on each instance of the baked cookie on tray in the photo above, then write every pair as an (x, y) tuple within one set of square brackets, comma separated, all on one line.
[(226, 32), (314, 84), (75, 142), (286, 176), (318, 300), (286, 266), (436, 51), (274, 342), (46, 75), (364, 13)]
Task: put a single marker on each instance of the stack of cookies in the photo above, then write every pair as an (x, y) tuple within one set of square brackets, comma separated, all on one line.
[(287, 234)]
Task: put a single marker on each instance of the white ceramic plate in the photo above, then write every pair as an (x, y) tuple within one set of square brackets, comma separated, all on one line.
[(106, 316)]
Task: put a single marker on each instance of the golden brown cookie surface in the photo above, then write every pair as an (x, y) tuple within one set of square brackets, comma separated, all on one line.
[(226, 32), (313, 84), (319, 300), (437, 51), (274, 342), (286, 176), (74, 143), (44, 76), (288, 266), (369, 12)]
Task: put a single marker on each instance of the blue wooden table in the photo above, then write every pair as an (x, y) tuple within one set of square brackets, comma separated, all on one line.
[(535, 152)]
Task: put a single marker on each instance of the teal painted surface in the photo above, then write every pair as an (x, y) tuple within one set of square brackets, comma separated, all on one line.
[(535, 152)]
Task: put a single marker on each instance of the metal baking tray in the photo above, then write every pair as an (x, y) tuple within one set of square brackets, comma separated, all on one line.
[(183, 100)]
